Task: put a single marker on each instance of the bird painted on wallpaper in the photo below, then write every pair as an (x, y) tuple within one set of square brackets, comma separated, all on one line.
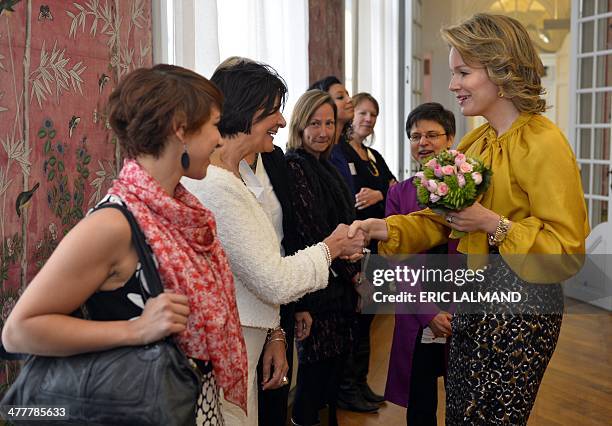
[(45, 13), (7, 6), (24, 197), (102, 81), (72, 124)]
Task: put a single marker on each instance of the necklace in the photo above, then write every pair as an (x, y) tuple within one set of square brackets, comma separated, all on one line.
[(371, 159), (253, 165), (371, 162)]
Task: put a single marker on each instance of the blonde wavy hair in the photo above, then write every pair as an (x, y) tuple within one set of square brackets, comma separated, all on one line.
[(502, 45), (303, 110)]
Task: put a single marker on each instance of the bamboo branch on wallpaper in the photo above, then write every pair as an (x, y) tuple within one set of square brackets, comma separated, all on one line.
[(52, 69), (26, 141), (4, 175)]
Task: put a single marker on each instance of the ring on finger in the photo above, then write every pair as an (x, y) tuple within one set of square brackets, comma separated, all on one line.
[(449, 219)]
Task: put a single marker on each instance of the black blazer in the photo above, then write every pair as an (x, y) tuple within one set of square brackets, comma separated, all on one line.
[(282, 183)]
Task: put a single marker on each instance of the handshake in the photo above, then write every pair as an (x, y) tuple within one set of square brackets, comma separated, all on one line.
[(350, 242)]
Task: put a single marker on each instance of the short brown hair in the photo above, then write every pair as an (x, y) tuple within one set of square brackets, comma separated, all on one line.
[(364, 96), (303, 110), (502, 45), (149, 104)]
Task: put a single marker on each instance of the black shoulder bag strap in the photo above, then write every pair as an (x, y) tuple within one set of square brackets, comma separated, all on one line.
[(147, 263), (148, 266)]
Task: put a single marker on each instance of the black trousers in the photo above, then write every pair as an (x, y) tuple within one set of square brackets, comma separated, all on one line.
[(428, 363), (358, 362), (272, 404), (317, 386)]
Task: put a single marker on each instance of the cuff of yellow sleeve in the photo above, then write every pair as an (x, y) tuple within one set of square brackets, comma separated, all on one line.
[(391, 246), (515, 240)]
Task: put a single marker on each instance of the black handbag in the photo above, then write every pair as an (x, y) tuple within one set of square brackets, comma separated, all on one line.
[(153, 384)]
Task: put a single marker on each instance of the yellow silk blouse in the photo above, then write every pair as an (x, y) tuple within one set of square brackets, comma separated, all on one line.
[(535, 183)]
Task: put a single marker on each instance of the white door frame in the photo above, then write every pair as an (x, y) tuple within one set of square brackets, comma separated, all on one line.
[(411, 76), (587, 118)]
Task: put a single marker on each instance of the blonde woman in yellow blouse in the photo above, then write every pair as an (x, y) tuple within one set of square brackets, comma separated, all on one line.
[(534, 207)]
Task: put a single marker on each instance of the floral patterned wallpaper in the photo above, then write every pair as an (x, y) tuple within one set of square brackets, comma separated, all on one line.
[(59, 61)]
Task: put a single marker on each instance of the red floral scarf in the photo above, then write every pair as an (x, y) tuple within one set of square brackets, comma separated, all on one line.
[(182, 235)]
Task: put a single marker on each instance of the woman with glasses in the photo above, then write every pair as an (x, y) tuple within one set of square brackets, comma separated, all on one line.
[(420, 336), (525, 234)]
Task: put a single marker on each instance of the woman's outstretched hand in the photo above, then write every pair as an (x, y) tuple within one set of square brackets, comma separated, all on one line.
[(344, 246), (374, 229)]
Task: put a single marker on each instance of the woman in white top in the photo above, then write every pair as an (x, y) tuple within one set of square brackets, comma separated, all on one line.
[(254, 94)]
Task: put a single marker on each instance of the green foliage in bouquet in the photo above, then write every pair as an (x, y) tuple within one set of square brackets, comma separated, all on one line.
[(451, 181)]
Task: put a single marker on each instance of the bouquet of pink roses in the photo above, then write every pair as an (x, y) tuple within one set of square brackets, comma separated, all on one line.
[(451, 181)]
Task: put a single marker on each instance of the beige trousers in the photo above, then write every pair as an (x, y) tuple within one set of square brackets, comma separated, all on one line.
[(255, 338)]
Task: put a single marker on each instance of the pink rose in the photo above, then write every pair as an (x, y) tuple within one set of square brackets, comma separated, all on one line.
[(432, 185), (431, 163), (466, 167), (434, 198), (424, 182), (460, 158), (442, 189), (461, 180), (477, 178), (438, 170), (448, 170), (420, 175), (453, 152)]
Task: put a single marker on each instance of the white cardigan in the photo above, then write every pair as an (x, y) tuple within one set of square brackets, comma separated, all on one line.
[(264, 280)]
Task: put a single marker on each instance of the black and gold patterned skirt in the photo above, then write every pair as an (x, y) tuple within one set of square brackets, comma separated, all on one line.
[(498, 356)]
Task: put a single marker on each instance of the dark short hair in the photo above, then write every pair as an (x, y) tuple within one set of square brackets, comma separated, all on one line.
[(149, 104), (325, 83), (432, 111), (248, 87)]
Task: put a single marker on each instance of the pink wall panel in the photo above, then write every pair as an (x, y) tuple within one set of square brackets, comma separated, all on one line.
[(59, 61)]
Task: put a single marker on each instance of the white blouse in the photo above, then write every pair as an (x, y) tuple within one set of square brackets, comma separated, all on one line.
[(259, 184), (264, 279)]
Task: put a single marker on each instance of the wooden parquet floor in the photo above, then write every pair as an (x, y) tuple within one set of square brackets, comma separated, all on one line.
[(577, 386)]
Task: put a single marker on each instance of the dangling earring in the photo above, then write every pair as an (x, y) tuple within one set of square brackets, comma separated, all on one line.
[(185, 158), (500, 94)]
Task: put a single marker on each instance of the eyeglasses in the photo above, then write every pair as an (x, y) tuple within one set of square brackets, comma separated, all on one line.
[(429, 137)]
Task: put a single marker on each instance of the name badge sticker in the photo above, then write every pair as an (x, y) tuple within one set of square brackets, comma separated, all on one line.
[(352, 169)]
